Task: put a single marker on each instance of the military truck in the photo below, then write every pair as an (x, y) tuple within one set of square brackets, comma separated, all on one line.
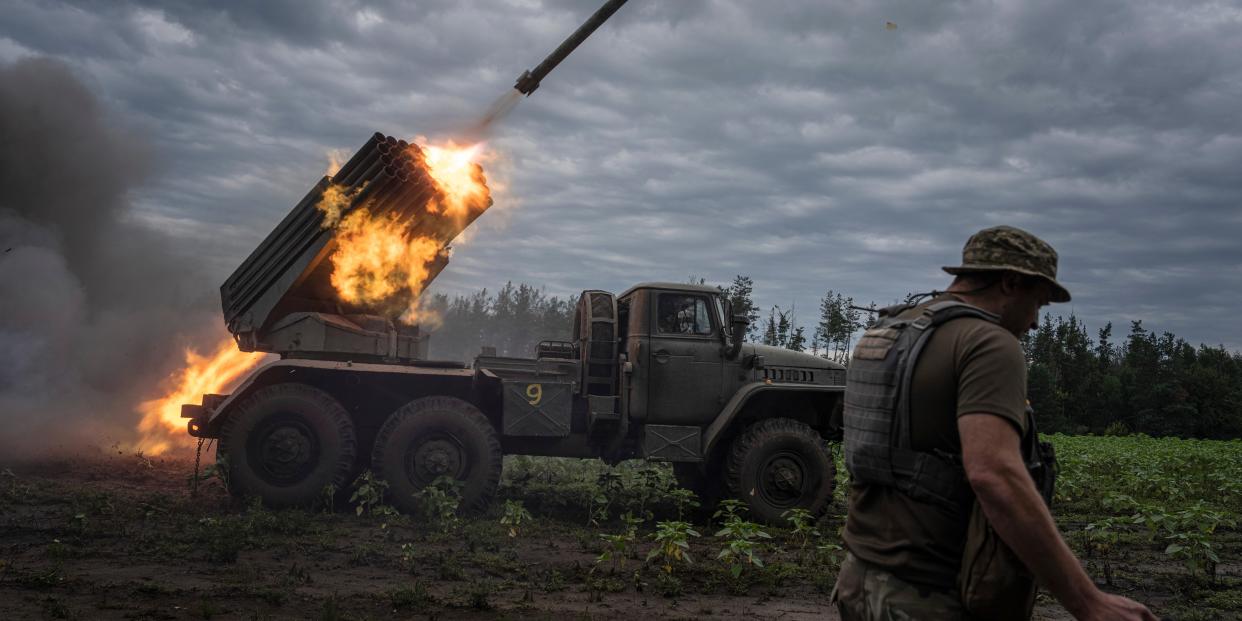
[(659, 372), (655, 373)]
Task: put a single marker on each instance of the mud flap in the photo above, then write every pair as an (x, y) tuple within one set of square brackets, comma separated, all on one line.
[(672, 443)]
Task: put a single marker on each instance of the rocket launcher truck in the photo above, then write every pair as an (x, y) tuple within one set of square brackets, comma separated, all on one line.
[(659, 372)]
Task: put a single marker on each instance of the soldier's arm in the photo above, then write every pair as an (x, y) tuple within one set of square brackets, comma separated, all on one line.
[(992, 456)]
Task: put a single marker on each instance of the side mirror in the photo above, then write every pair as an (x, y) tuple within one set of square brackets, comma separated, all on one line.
[(737, 335)]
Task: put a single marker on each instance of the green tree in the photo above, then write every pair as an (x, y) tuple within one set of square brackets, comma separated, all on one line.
[(740, 294), (838, 321)]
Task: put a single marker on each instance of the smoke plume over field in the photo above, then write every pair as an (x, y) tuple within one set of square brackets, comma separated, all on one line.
[(95, 307)]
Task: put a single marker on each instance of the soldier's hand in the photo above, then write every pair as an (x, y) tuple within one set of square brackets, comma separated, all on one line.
[(1109, 607)]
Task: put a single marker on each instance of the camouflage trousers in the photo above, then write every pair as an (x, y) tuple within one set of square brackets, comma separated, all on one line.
[(867, 593)]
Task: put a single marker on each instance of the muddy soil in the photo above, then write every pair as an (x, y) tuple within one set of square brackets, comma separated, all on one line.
[(124, 537)]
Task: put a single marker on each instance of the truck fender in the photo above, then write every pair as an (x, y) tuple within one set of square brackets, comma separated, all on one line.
[(737, 404), (290, 367)]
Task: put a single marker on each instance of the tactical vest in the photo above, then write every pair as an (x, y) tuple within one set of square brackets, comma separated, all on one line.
[(877, 408)]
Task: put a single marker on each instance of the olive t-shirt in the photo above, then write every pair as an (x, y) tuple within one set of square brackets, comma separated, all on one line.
[(969, 366)]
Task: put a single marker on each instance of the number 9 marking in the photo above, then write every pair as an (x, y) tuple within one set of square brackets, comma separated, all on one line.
[(534, 393)]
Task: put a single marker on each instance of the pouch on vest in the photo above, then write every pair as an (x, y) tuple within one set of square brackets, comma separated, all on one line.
[(993, 582)]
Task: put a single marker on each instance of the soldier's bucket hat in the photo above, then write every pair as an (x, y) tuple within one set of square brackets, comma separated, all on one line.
[(1006, 248)]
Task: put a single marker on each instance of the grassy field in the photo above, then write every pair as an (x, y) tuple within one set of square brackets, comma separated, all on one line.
[(122, 536)]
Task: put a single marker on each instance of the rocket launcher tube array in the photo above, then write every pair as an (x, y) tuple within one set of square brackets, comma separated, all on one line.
[(290, 270)]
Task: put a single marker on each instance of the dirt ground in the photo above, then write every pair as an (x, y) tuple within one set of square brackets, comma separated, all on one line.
[(122, 537)]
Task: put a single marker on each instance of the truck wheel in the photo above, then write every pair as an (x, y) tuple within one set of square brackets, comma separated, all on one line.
[(434, 436), (780, 464), (286, 443)]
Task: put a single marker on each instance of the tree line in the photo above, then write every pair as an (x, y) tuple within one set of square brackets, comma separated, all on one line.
[(1151, 383), (513, 319), (1147, 382)]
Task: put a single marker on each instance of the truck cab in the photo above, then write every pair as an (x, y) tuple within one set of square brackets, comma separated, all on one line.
[(685, 369)]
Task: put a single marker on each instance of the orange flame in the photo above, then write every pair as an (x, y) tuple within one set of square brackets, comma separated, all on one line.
[(455, 170), (378, 262), (162, 427), (334, 202)]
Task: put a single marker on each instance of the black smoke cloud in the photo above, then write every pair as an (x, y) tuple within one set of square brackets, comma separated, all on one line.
[(95, 307)]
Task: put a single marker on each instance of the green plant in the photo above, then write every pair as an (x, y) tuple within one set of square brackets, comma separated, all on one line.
[(632, 522), (741, 538), (369, 495), (607, 485), (621, 546), (672, 544), (615, 547), (1100, 540), (829, 553), (327, 498), (667, 585), (514, 516), (1190, 537), (649, 485), (1195, 549), (409, 554), (802, 526), (438, 503), (684, 500), (729, 509), (1152, 518)]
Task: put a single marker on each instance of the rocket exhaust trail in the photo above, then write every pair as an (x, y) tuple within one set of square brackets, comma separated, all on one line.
[(495, 112)]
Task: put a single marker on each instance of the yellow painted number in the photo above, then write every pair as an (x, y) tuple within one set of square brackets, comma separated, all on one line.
[(534, 393)]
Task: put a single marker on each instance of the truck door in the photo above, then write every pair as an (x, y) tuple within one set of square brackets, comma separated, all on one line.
[(684, 362)]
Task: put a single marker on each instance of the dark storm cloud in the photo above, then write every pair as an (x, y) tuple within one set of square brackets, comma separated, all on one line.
[(800, 143)]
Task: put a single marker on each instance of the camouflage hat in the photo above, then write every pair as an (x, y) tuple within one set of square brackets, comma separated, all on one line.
[(1011, 249)]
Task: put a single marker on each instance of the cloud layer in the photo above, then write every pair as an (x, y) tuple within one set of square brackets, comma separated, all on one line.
[(801, 143)]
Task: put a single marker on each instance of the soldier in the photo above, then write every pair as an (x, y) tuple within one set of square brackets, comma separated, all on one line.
[(944, 456)]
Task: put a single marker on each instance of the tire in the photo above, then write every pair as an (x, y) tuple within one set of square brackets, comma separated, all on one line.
[(436, 436), (780, 464), (287, 442)]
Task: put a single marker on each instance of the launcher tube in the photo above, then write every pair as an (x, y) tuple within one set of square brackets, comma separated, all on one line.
[(529, 80)]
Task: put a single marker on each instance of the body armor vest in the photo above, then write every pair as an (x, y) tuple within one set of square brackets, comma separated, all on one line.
[(877, 408)]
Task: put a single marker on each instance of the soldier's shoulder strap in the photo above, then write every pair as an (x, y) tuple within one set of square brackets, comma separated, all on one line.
[(937, 313), (933, 316)]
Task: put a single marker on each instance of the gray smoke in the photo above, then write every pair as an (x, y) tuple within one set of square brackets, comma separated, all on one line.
[(95, 308)]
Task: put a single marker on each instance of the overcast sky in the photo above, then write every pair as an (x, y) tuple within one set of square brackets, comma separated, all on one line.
[(801, 143)]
